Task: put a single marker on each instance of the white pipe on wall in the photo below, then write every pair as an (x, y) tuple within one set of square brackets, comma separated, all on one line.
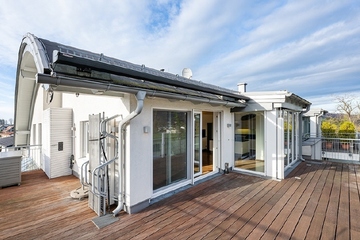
[(140, 96)]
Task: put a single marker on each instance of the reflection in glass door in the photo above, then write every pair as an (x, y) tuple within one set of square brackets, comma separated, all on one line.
[(249, 141), (290, 136), (197, 145), (169, 147)]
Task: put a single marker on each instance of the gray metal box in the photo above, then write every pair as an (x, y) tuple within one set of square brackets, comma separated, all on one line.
[(10, 168)]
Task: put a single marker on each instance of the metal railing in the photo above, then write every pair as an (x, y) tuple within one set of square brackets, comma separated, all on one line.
[(340, 149), (99, 182), (31, 156), (84, 174), (334, 148)]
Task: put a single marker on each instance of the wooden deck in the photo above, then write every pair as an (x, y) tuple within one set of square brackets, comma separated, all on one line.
[(316, 201)]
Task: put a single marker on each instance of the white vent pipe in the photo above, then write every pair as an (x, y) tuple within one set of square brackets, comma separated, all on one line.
[(242, 87)]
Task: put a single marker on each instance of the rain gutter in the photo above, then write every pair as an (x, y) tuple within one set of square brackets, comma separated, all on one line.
[(105, 86)]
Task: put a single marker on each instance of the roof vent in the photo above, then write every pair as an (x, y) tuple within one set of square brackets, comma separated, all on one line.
[(242, 87), (187, 73)]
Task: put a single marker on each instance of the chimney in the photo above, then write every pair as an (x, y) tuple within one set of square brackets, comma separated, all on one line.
[(242, 87)]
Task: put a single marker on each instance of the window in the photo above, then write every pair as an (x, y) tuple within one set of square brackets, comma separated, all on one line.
[(34, 134), (84, 138), (170, 161), (249, 141), (288, 139), (290, 136), (40, 134), (306, 127)]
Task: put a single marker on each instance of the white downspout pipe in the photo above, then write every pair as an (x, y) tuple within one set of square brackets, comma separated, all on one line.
[(140, 96)]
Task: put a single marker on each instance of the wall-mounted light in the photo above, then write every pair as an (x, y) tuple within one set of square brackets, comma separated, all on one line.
[(228, 125), (146, 129)]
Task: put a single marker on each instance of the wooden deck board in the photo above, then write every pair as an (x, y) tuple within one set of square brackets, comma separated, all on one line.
[(330, 221), (213, 221), (211, 216), (199, 204), (235, 211), (354, 181), (314, 231), (293, 205), (308, 213), (314, 201), (269, 215), (305, 191), (342, 230)]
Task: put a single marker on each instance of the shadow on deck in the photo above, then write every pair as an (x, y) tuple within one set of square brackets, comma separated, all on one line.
[(316, 200)]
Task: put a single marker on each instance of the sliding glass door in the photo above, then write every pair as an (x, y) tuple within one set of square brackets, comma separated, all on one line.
[(169, 147)]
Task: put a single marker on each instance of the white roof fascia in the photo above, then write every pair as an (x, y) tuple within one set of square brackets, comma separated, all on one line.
[(37, 50), (258, 106), (315, 112), (277, 99), (26, 88), (288, 106)]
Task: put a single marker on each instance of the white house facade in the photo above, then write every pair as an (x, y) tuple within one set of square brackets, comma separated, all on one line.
[(133, 133)]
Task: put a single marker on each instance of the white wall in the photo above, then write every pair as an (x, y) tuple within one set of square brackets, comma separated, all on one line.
[(260, 145), (85, 105), (227, 139), (82, 106), (40, 106), (270, 143), (314, 126), (57, 130), (139, 159)]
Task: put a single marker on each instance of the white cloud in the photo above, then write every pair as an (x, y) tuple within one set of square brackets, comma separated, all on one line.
[(307, 47), (265, 57)]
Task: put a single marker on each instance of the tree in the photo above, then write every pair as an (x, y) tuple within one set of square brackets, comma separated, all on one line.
[(347, 130), (348, 105), (328, 129)]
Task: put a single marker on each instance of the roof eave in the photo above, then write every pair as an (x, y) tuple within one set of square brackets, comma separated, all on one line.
[(140, 72)]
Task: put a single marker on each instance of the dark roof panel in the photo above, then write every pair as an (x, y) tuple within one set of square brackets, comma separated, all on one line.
[(7, 141), (87, 61)]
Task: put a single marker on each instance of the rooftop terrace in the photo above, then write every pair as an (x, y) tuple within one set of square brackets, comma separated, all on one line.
[(318, 200)]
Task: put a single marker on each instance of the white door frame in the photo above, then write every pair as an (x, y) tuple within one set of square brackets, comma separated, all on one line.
[(200, 144)]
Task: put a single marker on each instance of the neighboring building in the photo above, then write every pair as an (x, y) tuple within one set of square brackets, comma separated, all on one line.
[(6, 142), (164, 131), (2, 127), (312, 122), (312, 144), (6, 131)]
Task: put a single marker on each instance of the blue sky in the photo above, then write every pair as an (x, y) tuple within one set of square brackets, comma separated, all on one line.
[(309, 47)]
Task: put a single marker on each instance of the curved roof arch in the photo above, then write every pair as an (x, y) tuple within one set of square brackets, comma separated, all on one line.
[(32, 60), (67, 69)]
